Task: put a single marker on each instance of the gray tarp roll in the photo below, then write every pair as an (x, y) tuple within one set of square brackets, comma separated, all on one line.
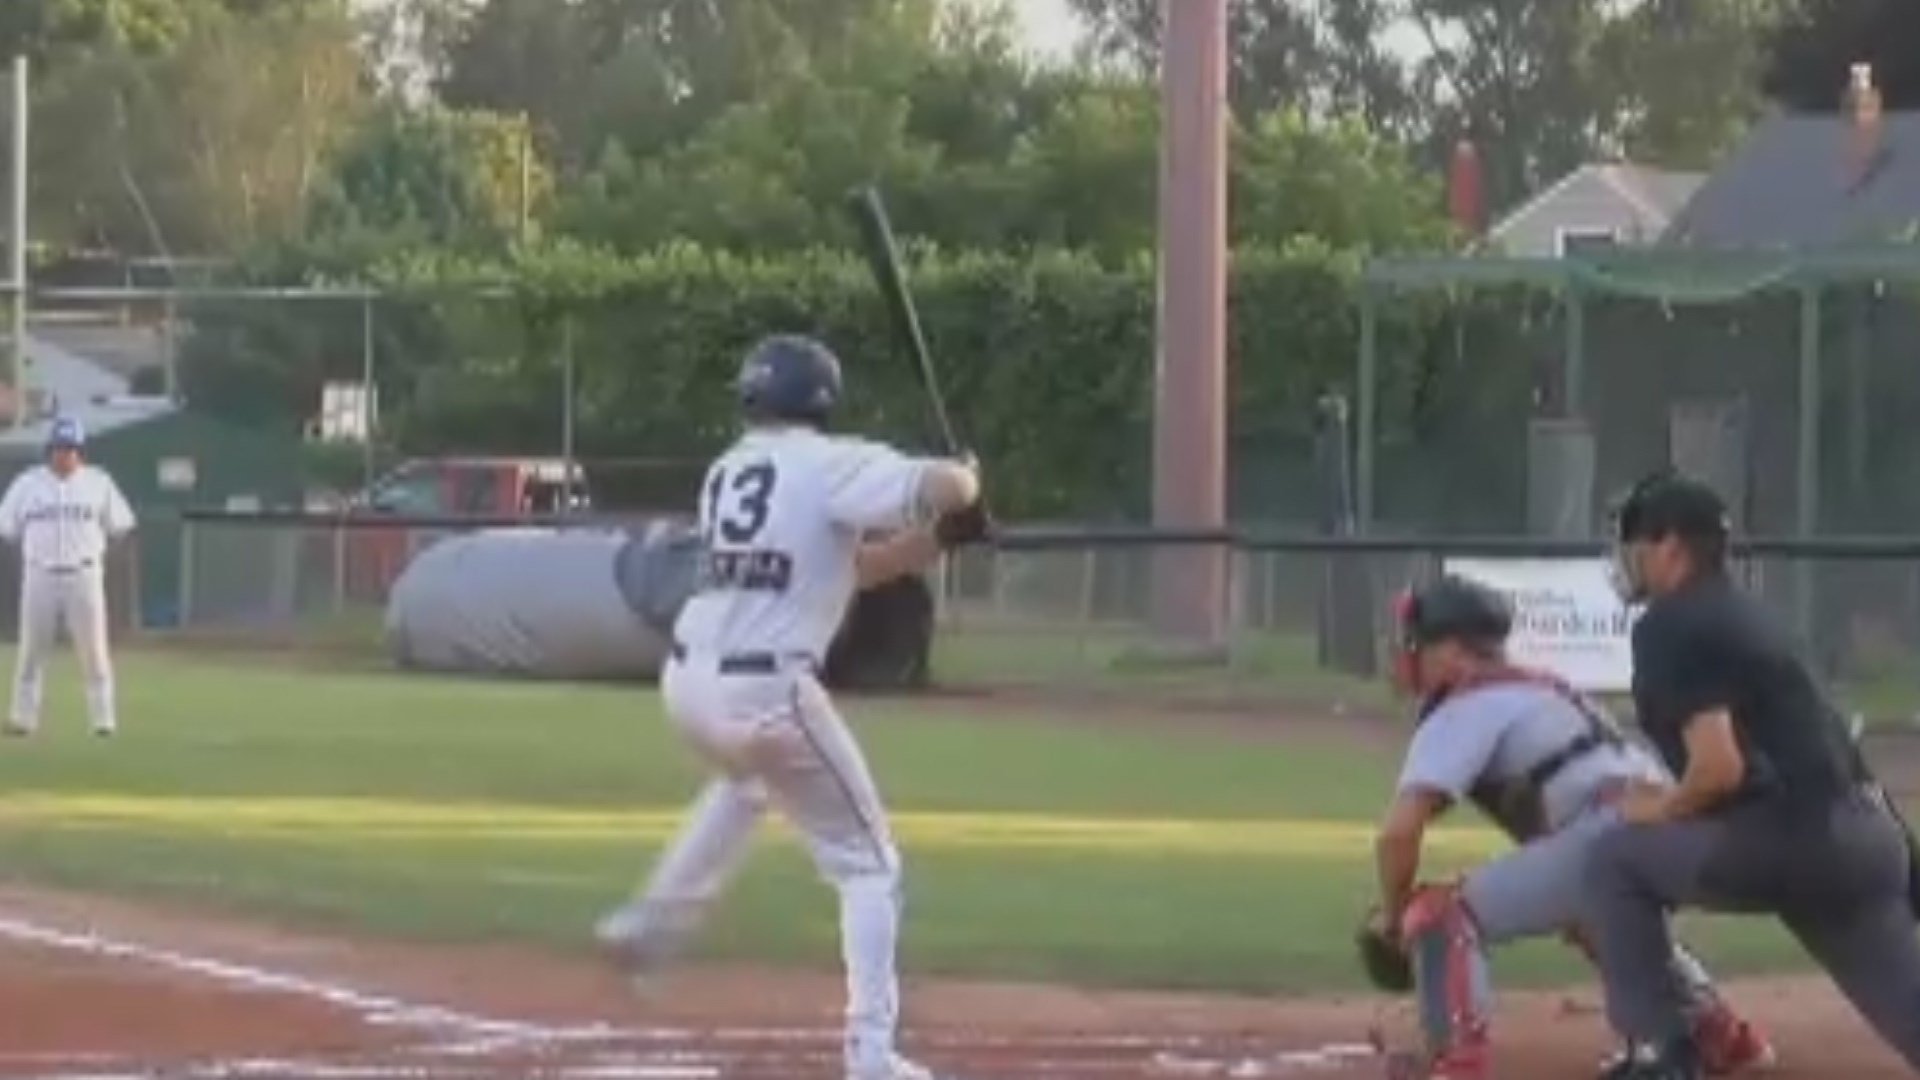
[(541, 602), (600, 604)]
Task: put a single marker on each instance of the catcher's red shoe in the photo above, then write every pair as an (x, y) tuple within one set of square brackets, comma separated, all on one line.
[(1462, 1063), (1731, 1046)]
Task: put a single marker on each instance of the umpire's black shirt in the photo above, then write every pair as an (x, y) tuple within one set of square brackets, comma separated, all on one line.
[(1709, 646)]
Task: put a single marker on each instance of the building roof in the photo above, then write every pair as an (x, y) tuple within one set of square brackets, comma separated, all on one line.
[(1792, 184), (67, 377), (122, 349), (1636, 201), (98, 417)]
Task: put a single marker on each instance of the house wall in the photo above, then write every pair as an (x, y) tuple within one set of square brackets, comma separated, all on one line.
[(1583, 201)]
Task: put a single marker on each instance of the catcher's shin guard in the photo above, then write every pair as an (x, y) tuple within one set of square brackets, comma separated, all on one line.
[(1451, 982)]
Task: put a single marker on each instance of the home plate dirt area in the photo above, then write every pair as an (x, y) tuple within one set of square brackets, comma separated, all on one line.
[(106, 989)]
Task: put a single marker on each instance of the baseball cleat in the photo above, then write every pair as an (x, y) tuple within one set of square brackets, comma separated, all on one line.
[(895, 1068), (1678, 1061), (1445, 1067), (1730, 1046), (644, 939), (18, 730)]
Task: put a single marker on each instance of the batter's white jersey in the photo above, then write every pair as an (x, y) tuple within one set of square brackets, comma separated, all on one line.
[(60, 522), (783, 512)]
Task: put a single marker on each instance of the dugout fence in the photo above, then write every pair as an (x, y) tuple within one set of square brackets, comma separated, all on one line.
[(1067, 609)]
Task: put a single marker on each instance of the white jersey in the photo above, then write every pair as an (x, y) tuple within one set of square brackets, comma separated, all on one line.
[(782, 513), (63, 523)]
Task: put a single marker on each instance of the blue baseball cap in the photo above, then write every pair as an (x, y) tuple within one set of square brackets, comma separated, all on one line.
[(66, 433)]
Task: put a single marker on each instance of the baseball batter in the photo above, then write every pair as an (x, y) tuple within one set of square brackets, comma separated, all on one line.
[(1544, 763), (62, 514), (784, 514)]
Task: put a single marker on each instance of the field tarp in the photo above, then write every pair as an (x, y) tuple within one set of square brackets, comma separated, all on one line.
[(541, 603), (600, 604)]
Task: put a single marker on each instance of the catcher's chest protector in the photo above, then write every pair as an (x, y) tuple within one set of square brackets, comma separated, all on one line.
[(1518, 803)]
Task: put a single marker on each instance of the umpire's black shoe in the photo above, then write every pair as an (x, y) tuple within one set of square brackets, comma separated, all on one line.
[(1678, 1060)]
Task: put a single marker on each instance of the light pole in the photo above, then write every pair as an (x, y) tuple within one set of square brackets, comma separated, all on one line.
[(1190, 422)]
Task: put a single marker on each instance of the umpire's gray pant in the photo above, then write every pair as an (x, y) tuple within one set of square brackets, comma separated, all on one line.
[(1834, 873)]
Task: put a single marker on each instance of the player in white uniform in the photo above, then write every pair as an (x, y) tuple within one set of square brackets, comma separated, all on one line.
[(62, 514), (786, 514)]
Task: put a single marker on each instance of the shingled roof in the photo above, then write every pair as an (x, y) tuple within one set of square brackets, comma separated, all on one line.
[(1794, 184)]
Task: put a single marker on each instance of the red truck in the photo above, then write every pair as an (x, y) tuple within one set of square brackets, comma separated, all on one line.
[(451, 487)]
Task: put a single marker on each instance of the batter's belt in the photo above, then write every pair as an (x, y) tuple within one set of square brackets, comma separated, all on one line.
[(752, 663)]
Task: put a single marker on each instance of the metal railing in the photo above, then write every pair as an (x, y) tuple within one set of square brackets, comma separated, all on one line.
[(1061, 605)]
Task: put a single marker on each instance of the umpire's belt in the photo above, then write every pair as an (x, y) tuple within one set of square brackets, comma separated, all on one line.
[(752, 663)]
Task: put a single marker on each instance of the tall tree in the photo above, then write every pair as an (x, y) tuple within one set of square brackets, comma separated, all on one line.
[(39, 27), (42, 28), (1683, 77), (1546, 87), (651, 72), (1522, 80), (213, 144), (1318, 56), (1809, 55), (432, 177), (1338, 183)]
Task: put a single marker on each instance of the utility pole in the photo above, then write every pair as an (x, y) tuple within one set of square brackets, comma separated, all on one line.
[(526, 177), (17, 244), (1189, 424)]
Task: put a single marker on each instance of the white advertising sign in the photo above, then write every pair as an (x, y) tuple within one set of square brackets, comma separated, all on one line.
[(1567, 618)]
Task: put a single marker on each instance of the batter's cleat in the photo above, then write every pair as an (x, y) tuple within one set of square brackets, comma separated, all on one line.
[(1730, 1046), (644, 938), (895, 1068), (1678, 1060), (105, 731), (17, 729)]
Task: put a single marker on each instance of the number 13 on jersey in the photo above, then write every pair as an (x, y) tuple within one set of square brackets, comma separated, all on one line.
[(733, 514)]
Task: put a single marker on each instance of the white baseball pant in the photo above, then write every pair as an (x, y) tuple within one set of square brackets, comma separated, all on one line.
[(50, 597), (775, 739)]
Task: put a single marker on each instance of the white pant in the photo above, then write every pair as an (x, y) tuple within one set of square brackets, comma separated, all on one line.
[(776, 739), (47, 599)]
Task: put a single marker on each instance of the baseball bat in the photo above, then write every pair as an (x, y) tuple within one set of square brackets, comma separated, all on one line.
[(883, 259)]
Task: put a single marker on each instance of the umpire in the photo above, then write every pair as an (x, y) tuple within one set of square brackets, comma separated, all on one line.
[(1774, 812)]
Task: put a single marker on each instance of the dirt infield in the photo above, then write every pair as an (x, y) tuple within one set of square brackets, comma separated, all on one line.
[(95, 988)]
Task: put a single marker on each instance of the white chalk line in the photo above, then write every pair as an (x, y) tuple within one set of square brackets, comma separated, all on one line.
[(672, 1054)]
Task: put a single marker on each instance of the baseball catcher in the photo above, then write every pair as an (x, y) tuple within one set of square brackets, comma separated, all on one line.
[(1547, 765)]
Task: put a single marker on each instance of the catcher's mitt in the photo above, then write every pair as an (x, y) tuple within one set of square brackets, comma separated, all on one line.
[(1381, 957), (970, 526)]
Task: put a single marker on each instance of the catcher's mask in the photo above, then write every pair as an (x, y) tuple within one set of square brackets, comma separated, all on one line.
[(1665, 504), (1452, 608)]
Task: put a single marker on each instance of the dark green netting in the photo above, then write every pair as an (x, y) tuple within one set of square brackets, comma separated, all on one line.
[(1816, 353)]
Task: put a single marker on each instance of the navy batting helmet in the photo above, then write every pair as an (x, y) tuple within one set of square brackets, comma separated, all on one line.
[(789, 377)]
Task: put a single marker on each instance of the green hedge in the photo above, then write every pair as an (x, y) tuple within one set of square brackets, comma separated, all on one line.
[(1047, 358)]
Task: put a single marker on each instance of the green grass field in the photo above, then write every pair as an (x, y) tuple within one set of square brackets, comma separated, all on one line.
[(439, 809)]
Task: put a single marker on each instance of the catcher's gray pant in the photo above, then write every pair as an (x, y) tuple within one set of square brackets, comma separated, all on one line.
[(1538, 888), (1534, 890), (774, 738), (1836, 876)]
